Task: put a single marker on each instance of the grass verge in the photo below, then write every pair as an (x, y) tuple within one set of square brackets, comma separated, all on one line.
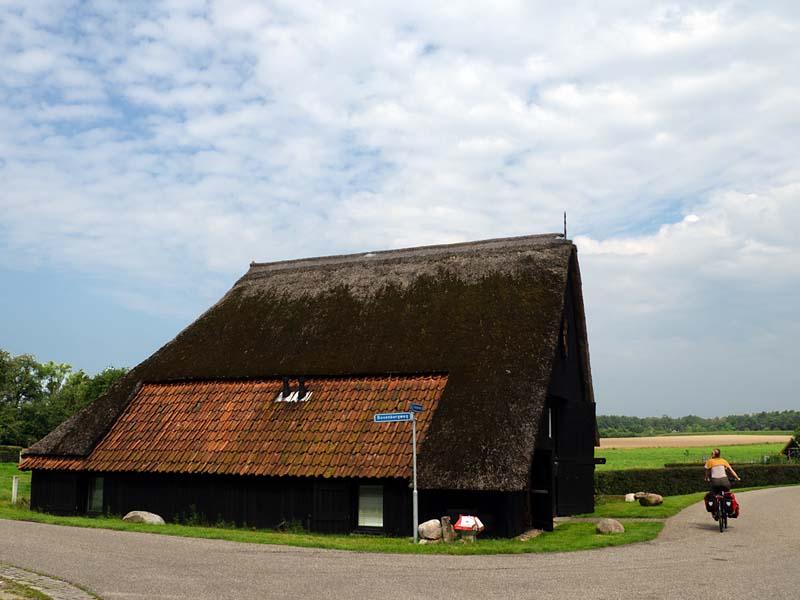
[(566, 538), (615, 507), (21, 591)]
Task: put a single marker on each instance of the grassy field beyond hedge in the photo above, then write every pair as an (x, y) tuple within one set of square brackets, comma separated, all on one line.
[(653, 458)]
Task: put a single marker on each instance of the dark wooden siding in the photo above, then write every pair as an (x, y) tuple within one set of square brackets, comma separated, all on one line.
[(571, 448), (58, 492), (324, 505)]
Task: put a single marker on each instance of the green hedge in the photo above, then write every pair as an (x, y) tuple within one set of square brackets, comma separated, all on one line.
[(9, 453), (673, 481)]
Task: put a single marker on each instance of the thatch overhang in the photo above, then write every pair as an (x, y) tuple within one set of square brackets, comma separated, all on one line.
[(487, 314)]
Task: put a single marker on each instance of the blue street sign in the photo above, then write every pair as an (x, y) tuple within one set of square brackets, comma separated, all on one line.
[(417, 408), (393, 417)]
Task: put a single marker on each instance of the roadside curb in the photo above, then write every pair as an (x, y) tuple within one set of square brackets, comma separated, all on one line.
[(55, 588)]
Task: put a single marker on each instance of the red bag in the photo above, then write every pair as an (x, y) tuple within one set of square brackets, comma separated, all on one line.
[(733, 512)]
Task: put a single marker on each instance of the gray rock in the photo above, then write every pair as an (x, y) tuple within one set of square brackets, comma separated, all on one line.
[(630, 497), (430, 530), (142, 516), (651, 500), (448, 533), (424, 541), (606, 526), (638, 495)]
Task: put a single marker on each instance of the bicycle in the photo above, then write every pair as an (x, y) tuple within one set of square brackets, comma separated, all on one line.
[(722, 508)]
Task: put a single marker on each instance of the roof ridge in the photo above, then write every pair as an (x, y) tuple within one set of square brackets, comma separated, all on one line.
[(429, 250)]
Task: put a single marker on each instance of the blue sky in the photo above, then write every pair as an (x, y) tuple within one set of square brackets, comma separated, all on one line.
[(150, 151)]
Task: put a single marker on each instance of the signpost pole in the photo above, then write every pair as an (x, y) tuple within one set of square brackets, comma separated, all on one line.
[(414, 473), (14, 489)]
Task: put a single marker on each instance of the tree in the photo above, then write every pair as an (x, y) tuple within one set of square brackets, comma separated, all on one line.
[(35, 397)]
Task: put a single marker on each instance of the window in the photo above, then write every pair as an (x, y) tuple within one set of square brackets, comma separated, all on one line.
[(95, 502), (370, 506)]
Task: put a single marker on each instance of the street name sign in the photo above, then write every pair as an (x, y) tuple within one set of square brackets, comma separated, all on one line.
[(417, 408), (393, 417)]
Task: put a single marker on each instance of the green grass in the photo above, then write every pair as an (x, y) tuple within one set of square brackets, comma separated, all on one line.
[(653, 458), (7, 471), (616, 507), (566, 538), (20, 590)]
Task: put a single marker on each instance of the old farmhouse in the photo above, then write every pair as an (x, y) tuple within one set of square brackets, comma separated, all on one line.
[(260, 412)]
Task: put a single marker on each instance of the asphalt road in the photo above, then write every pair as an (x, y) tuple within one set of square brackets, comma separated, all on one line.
[(755, 558)]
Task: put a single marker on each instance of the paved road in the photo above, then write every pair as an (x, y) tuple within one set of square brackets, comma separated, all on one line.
[(755, 558)]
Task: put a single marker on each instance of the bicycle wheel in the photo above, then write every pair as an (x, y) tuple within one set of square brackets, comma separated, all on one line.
[(722, 514)]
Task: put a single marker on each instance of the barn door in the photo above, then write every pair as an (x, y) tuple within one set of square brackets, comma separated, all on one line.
[(574, 459), (331, 507), (542, 498)]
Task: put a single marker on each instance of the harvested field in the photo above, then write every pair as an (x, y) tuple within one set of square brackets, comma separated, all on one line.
[(689, 441)]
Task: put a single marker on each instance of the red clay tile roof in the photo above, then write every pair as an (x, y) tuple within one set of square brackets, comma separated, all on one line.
[(237, 428)]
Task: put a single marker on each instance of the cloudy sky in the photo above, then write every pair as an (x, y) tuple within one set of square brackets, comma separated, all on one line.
[(150, 151)]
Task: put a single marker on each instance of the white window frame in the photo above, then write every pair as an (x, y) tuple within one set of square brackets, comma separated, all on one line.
[(96, 491), (370, 506)]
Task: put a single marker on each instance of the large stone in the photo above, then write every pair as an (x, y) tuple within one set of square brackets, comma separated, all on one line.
[(448, 533), (606, 526), (638, 495), (630, 497), (651, 500), (142, 516), (430, 530)]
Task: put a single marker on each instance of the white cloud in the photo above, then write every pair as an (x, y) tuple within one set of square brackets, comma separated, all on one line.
[(182, 140)]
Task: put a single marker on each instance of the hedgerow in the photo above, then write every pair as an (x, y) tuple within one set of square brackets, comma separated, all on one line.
[(673, 481)]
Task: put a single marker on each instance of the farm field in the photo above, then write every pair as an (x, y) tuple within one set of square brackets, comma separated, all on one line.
[(713, 440), (654, 458)]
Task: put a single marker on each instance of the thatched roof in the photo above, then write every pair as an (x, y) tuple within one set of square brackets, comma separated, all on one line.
[(485, 313)]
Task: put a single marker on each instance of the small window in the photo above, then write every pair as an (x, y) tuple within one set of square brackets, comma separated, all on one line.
[(95, 503), (370, 506)]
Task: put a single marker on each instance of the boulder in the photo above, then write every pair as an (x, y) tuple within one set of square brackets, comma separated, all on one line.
[(651, 500), (630, 497), (430, 530), (424, 541), (142, 516), (638, 495), (605, 526), (448, 533)]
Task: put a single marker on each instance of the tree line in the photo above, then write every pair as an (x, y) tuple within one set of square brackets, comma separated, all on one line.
[(36, 397), (622, 426)]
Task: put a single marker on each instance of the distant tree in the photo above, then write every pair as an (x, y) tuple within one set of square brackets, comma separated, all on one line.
[(622, 426), (35, 397)]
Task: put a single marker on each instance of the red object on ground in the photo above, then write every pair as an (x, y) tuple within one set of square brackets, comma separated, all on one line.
[(468, 523)]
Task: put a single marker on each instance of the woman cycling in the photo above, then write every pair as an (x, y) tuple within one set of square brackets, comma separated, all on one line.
[(717, 472)]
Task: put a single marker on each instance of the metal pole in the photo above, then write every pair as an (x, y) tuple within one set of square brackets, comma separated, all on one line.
[(414, 472), (14, 489)]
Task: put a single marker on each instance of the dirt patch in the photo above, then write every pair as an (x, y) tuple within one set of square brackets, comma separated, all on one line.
[(688, 441)]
